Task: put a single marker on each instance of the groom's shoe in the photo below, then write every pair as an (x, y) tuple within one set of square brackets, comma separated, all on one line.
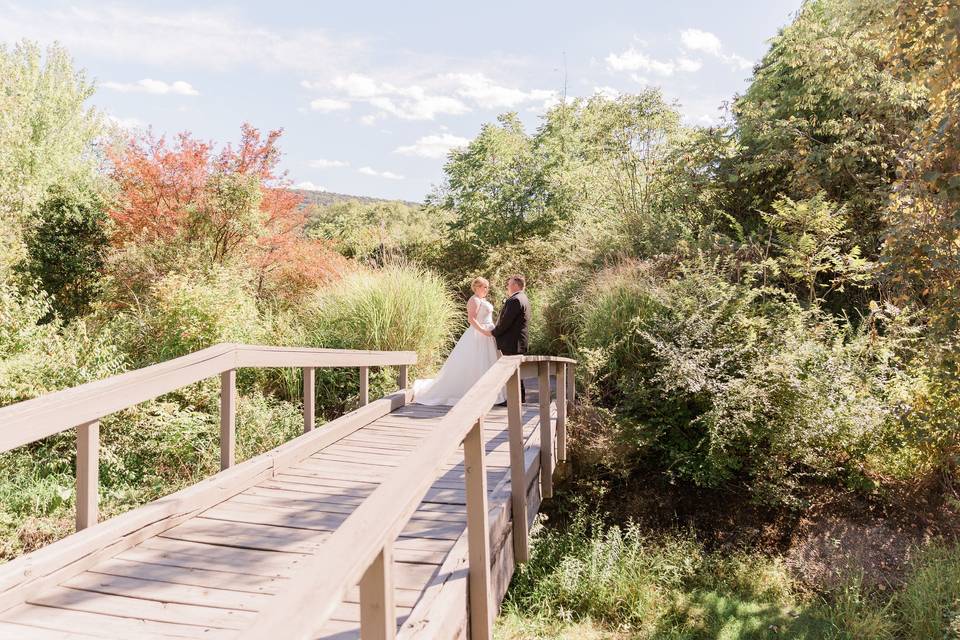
[(501, 404)]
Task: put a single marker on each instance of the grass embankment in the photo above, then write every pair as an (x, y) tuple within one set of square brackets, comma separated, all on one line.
[(588, 580)]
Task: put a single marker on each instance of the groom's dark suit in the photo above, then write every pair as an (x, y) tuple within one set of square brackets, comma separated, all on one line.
[(511, 330)]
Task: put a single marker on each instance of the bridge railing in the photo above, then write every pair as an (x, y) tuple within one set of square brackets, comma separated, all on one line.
[(82, 407), (360, 551)]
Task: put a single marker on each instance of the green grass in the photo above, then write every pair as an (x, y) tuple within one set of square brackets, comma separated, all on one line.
[(591, 581)]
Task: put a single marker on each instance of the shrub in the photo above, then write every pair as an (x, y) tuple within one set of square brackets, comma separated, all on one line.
[(396, 308), (39, 358), (189, 311), (66, 248), (728, 381)]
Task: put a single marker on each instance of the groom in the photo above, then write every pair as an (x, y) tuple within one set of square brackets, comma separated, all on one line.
[(511, 330)]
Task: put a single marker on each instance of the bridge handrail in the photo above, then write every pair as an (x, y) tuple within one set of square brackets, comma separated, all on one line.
[(82, 407), (359, 551)]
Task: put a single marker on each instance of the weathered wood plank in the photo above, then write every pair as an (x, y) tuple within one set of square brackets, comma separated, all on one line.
[(213, 557), (247, 536), (168, 592), (377, 609), (192, 576), (94, 625), (228, 418), (127, 607)]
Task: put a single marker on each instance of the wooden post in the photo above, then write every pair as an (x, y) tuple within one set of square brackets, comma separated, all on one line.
[(403, 376), (88, 474), (546, 434), (518, 485), (365, 385), (228, 418), (561, 412), (309, 398), (378, 619), (571, 386), (478, 533)]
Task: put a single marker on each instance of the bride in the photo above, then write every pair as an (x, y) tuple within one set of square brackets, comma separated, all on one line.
[(475, 352)]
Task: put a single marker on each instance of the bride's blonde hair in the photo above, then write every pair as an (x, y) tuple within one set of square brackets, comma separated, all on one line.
[(479, 282)]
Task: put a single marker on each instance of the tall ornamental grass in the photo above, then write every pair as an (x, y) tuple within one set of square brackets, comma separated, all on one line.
[(396, 308)]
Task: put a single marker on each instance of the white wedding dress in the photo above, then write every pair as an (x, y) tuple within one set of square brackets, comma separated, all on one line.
[(469, 360)]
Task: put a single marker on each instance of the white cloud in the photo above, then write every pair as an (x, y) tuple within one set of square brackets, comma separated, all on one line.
[(433, 146), (157, 87), (357, 85), (322, 163), (389, 175), (411, 102), (739, 61), (697, 40), (634, 60), (429, 96), (489, 95), (326, 105), (369, 119), (201, 38), (414, 103), (309, 186), (706, 42)]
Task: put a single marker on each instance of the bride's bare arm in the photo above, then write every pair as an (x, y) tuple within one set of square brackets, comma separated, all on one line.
[(472, 307)]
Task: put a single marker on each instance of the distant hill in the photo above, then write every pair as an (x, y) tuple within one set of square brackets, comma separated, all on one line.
[(325, 198)]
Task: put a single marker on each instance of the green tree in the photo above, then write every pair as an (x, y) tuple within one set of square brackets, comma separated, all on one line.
[(496, 187), (825, 112), (66, 248), (922, 244), (46, 137), (807, 239), (378, 232)]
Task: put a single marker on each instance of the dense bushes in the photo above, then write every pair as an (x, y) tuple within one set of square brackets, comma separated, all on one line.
[(726, 381), (185, 312), (38, 357), (65, 252), (378, 232)]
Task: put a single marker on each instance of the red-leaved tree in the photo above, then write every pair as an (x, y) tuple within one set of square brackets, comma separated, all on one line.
[(222, 207)]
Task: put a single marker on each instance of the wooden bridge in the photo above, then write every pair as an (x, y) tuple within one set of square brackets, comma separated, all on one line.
[(395, 520)]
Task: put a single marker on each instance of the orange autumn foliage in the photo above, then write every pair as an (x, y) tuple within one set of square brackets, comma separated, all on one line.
[(231, 205)]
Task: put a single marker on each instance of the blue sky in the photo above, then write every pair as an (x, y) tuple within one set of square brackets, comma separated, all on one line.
[(372, 95)]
